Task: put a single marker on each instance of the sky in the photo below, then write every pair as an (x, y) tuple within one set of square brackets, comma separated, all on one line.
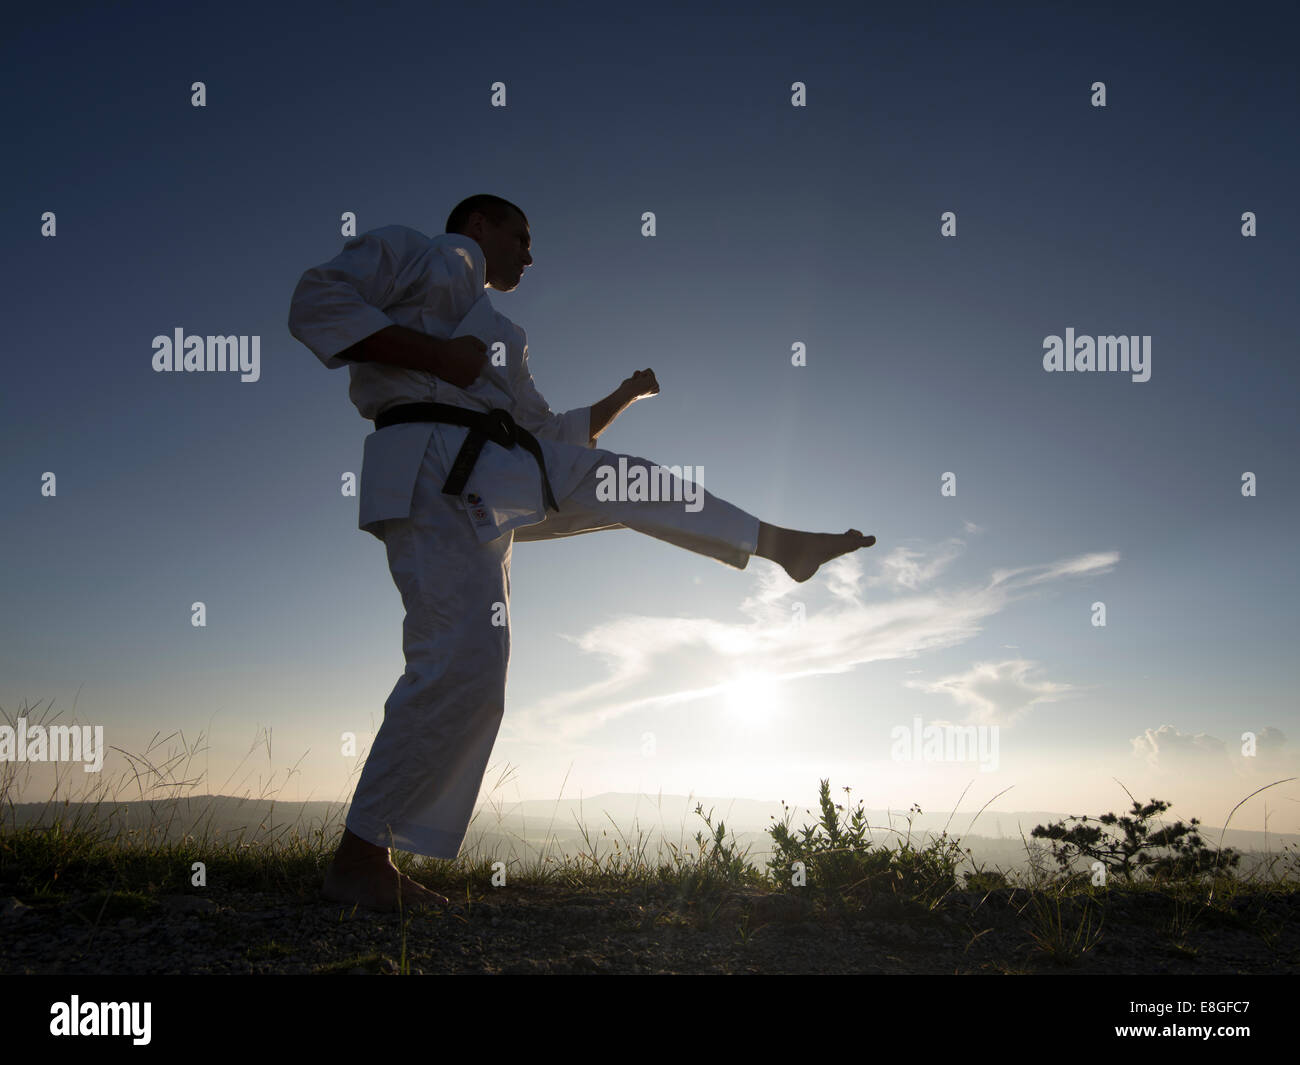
[(1011, 505)]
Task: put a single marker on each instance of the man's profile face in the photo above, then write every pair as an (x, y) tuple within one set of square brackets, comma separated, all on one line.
[(505, 247)]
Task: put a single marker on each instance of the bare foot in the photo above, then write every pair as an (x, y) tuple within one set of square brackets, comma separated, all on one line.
[(801, 554), (377, 886), (363, 874)]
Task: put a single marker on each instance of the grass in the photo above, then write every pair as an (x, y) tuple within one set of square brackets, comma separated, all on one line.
[(84, 861)]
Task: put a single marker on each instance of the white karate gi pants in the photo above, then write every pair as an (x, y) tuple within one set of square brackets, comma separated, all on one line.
[(422, 776)]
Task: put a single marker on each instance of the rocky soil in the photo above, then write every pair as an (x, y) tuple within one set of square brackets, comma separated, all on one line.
[(554, 930)]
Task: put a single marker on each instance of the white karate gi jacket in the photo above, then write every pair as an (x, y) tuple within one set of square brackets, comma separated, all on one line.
[(396, 275)]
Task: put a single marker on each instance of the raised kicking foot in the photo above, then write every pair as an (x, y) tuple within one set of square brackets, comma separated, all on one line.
[(801, 554), (377, 886)]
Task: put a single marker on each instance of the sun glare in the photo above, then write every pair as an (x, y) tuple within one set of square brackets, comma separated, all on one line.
[(753, 697)]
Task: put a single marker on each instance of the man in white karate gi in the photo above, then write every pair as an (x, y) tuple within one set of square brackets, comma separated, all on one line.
[(409, 317)]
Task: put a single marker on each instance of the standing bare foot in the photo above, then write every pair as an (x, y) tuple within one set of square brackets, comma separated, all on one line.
[(364, 875), (801, 554)]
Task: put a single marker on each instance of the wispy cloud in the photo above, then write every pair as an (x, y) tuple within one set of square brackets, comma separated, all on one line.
[(995, 693), (827, 625), (905, 568)]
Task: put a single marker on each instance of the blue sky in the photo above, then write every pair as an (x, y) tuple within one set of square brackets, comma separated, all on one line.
[(776, 224)]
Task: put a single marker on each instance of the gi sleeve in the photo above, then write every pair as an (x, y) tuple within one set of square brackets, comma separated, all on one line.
[(534, 413), (341, 302)]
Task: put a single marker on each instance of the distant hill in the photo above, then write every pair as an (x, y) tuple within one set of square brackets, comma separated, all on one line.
[(532, 828), (218, 816)]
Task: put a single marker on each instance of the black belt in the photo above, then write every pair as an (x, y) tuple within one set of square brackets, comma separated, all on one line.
[(496, 425)]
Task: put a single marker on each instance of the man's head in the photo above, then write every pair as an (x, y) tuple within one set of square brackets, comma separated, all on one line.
[(501, 230)]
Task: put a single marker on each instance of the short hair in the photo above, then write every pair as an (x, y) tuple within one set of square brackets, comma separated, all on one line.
[(494, 208)]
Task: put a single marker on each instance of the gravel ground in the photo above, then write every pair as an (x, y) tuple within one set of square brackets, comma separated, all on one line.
[(555, 930)]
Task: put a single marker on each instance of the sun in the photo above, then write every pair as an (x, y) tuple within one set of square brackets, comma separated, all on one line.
[(752, 697)]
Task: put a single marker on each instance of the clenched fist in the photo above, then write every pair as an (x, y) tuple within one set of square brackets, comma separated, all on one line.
[(641, 384), (461, 360)]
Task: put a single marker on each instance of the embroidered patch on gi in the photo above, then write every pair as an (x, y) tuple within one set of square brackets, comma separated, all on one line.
[(478, 512)]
